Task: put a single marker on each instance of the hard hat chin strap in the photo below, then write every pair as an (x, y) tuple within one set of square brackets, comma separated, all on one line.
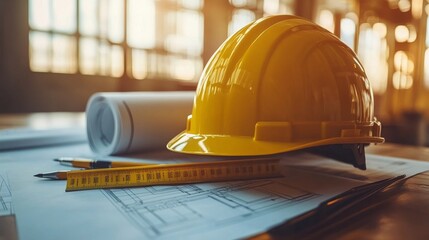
[(348, 153)]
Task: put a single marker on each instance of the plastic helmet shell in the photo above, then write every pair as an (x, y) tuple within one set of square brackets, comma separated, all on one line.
[(279, 84)]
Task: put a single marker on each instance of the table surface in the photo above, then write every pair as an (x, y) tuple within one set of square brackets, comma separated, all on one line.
[(402, 216)]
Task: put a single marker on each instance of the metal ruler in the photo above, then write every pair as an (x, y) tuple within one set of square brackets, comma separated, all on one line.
[(166, 174)]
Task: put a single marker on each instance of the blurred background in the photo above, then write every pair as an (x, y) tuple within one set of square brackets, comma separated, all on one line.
[(55, 53)]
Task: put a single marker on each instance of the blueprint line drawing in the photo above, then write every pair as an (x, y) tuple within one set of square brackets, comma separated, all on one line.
[(6, 207), (163, 211)]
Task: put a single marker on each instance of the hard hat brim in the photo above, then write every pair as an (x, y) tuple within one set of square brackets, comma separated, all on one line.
[(246, 146)]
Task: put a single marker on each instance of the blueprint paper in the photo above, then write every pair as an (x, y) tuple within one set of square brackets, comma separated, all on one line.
[(227, 210), (16, 138), (6, 207), (136, 121)]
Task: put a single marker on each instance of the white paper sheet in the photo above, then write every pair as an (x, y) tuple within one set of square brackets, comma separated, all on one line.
[(15, 138), (196, 211), (136, 121)]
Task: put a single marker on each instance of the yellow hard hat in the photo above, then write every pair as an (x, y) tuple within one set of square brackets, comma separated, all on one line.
[(279, 84)]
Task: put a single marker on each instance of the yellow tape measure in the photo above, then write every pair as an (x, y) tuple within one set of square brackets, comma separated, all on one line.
[(166, 174)]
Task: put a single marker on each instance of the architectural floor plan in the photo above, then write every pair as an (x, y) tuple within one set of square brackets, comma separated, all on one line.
[(163, 211), (5, 197)]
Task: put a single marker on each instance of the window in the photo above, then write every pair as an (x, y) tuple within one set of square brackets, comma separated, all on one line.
[(348, 29), (373, 52), (101, 37), (53, 43), (132, 39), (246, 11), (326, 20), (118, 38)]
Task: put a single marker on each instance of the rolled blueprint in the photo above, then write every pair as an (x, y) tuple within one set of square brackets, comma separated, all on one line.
[(135, 121)]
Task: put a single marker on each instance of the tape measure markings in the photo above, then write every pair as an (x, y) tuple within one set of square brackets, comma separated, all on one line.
[(173, 174)]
